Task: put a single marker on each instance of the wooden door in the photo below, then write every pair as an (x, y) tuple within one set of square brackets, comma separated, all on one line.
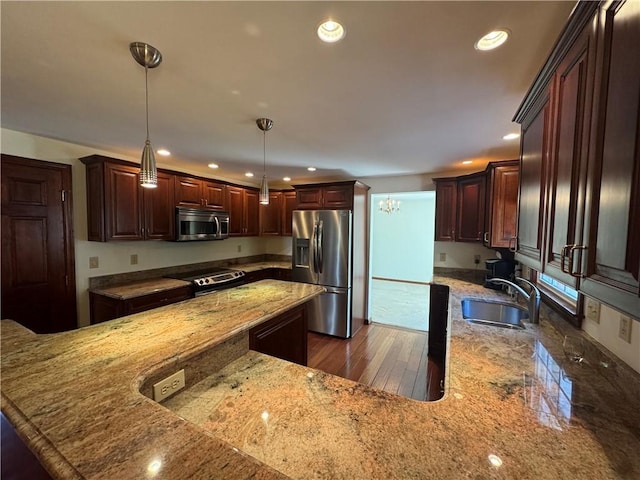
[(446, 210), (338, 197), (309, 198), (471, 208), (503, 205), (38, 269), (533, 167), (235, 202), (214, 195), (188, 192), (612, 261), (288, 205), (270, 215), (124, 220), (252, 212), (571, 94), (159, 209)]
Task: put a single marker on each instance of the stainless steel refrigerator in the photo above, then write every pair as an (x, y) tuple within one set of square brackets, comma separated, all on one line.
[(322, 255)]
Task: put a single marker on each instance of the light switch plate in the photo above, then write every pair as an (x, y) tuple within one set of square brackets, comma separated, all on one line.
[(624, 331), (443, 257), (592, 310)]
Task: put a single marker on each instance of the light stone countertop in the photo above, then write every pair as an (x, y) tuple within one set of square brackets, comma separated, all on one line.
[(508, 393)]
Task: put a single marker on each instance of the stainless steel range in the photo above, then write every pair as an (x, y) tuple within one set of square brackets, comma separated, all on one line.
[(211, 279)]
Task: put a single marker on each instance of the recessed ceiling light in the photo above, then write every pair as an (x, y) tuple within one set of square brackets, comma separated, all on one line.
[(213, 165), (511, 136), (330, 31), (164, 152), (311, 169), (467, 162), (286, 179), (492, 40), (248, 174)]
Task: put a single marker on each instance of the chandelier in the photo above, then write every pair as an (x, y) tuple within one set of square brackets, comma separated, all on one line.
[(388, 205)]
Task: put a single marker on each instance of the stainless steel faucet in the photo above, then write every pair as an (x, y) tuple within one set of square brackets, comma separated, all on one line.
[(532, 298)]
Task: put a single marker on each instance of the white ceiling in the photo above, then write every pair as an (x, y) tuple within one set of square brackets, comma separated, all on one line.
[(404, 93)]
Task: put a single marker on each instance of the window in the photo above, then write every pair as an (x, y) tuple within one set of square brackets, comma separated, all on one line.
[(558, 287)]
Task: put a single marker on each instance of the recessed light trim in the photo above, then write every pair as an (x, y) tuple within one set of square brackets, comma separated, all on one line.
[(286, 179), (311, 169), (164, 152), (467, 162), (213, 165), (492, 40), (248, 174), (331, 31), (511, 136)]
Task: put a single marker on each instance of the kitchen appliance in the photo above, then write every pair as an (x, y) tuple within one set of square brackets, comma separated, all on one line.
[(322, 255), (211, 279), (498, 268), (201, 224)]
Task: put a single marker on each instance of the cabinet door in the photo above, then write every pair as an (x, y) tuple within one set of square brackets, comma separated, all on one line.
[(533, 163), (235, 203), (503, 206), (309, 198), (188, 192), (571, 92), (612, 260), (471, 208), (122, 202), (338, 197), (446, 210), (288, 205), (252, 212), (270, 215), (214, 195), (159, 209), (283, 337)]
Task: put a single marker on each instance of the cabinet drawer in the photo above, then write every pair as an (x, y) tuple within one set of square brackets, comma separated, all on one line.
[(155, 300)]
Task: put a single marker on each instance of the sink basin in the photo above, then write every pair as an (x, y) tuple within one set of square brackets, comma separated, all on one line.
[(499, 314)]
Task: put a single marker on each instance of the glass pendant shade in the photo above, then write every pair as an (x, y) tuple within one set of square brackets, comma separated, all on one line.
[(265, 125), (148, 171), (264, 191)]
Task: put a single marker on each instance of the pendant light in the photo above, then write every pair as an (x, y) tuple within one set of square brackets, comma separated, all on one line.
[(264, 124), (148, 57)]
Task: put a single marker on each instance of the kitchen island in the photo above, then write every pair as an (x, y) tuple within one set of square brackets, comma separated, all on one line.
[(513, 408)]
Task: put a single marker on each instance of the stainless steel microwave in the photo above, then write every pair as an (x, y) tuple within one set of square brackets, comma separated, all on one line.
[(201, 224)]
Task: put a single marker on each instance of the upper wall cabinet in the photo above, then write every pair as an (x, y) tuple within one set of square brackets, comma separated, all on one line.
[(502, 204), (580, 157), (335, 196), (446, 209), (271, 215), (288, 205), (118, 208), (243, 211), (200, 193)]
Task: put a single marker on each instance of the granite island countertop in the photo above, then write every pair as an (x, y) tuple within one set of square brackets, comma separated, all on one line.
[(508, 393)]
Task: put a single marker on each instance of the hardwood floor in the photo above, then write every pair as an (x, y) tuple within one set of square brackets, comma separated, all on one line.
[(387, 358)]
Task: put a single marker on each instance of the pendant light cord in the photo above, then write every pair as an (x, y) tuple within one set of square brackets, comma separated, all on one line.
[(146, 95), (264, 152)]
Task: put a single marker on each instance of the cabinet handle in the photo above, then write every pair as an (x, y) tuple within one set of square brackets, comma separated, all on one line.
[(513, 244), (564, 253), (572, 251), (486, 237)]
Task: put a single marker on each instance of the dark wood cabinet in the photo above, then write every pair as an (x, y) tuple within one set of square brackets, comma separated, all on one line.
[(200, 193), (460, 207), (118, 208), (502, 204), (288, 206), (243, 210), (446, 209), (284, 336), (334, 196), (271, 215), (103, 308), (611, 261)]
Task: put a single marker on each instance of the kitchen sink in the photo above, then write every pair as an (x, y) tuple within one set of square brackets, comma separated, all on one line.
[(499, 314)]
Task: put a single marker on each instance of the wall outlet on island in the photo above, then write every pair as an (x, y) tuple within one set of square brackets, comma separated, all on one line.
[(624, 332), (94, 262), (134, 259), (168, 386)]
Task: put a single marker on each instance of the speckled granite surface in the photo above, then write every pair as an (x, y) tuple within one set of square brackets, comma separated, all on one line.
[(509, 393)]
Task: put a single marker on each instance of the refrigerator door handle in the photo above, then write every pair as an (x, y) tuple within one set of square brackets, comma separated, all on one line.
[(320, 246), (314, 247)]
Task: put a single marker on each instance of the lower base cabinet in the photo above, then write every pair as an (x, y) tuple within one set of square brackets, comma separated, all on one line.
[(284, 336)]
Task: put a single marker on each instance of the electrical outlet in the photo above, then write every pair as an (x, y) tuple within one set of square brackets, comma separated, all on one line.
[(592, 310), (134, 259), (239, 248), (168, 386), (476, 259), (624, 331), (94, 262), (443, 257)]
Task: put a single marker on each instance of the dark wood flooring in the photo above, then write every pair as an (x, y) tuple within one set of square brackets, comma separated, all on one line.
[(387, 358)]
